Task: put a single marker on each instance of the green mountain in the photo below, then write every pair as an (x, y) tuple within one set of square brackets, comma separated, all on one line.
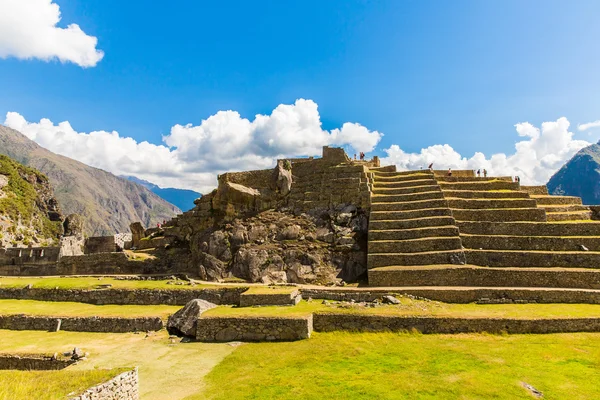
[(182, 198), (580, 176), (29, 213), (107, 203)]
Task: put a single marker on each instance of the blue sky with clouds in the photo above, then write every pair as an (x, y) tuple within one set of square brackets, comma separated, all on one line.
[(423, 73)]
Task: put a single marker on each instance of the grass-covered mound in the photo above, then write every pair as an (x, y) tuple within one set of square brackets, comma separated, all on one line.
[(411, 366), (46, 385)]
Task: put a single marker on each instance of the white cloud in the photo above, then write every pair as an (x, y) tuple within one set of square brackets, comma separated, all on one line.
[(534, 160), (28, 30), (193, 155), (589, 125)]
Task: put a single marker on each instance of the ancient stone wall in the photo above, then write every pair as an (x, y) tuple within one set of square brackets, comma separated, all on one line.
[(176, 297), (80, 324), (29, 255), (71, 246), (250, 329), (33, 362), (122, 387), (259, 179), (270, 299), (328, 322), (100, 244)]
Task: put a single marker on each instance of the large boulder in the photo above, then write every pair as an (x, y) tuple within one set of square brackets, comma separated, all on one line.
[(185, 321), (283, 177), (73, 225)]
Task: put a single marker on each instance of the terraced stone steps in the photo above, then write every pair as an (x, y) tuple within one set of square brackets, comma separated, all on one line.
[(408, 205), (375, 260), (414, 233), (398, 177), (403, 184), (415, 245), (568, 216), (533, 258), (488, 204), (556, 200), (551, 243), (386, 198), (410, 214), (404, 190), (412, 223), (478, 276), (442, 179), (485, 194), (478, 186), (500, 215), (530, 228)]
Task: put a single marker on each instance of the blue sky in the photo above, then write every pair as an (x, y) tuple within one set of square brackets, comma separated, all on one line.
[(420, 72)]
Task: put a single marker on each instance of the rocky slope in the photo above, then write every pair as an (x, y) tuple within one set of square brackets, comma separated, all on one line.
[(580, 176), (29, 213), (181, 198), (107, 203)]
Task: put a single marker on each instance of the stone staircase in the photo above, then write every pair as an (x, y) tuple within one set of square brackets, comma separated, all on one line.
[(428, 229)]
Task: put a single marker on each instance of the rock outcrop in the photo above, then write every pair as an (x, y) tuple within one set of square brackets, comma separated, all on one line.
[(185, 321)]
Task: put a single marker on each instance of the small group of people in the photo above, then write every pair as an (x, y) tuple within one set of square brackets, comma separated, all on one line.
[(480, 172), (361, 155), (517, 179), (159, 225)]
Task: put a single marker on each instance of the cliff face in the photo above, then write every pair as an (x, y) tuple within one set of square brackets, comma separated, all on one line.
[(29, 212), (107, 203), (580, 176)]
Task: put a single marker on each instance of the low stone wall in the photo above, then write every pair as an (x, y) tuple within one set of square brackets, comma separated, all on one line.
[(539, 190), (529, 228), (464, 295), (272, 299), (33, 362), (176, 297), (100, 244), (80, 324), (253, 329), (122, 387), (328, 322), (29, 255)]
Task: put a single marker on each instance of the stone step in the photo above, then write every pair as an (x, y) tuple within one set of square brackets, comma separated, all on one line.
[(396, 177), (485, 194), (487, 204), (426, 222), (375, 260), (473, 179), (389, 198), (405, 190), (469, 173), (569, 216), (530, 228), (415, 245), (501, 215), (410, 214), (460, 294), (551, 243), (404, 184), (414, 233), (409, 205), (537, 190), (471, 275), (478, 186), (555, 200), (552, 208), (386, 174), (387, 168), (533, 258)]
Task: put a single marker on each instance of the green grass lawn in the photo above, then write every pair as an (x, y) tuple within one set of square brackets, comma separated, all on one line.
[(70, 309), (46, 385), (278, 289), (423, 308), (410, 366), (90, 282)]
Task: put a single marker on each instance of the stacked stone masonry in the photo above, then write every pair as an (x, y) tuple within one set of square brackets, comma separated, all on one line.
[(80, 324), (33, 362), (253, 329), (122, 387)]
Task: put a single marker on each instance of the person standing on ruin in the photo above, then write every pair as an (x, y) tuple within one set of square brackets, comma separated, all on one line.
[(485, 173), (478, 173), (430, 167), (449, 171)]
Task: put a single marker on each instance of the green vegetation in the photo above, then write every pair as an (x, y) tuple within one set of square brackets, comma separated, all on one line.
[(69, 309), (90, 282), (22, 198), (46, 385), (410, 366), (278, 289), (411, 307)]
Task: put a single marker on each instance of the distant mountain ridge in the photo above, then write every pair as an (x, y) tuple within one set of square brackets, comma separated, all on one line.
[(580, 176), (182, 198), (108, 203)]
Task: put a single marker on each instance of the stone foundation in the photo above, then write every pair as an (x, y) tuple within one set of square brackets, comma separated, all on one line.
[(122, 387), (33, 362), (80, 324), (270, 299), (253, 329)]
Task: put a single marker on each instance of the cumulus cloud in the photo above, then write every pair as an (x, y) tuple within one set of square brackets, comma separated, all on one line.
[(28, 29), (192, 155), (535, 159), (589, 125)]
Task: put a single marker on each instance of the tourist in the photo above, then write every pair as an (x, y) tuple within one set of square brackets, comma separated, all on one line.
[(478, 173), (485, 173), (449, 172), (430, 167)]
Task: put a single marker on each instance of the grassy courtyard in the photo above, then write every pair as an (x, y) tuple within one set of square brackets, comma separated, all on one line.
[(91, 282)]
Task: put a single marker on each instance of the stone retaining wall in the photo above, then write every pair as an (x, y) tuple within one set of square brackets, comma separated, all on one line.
[(253, 329), (465, 296), (122, 387), (270, 299), (175, 297), (80, 324), (328, 322), (33, 362)]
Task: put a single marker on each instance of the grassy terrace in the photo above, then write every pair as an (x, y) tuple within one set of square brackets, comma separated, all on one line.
[(43, 385), (90, 282), (411, 307), (70, 309), (410, 366)]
